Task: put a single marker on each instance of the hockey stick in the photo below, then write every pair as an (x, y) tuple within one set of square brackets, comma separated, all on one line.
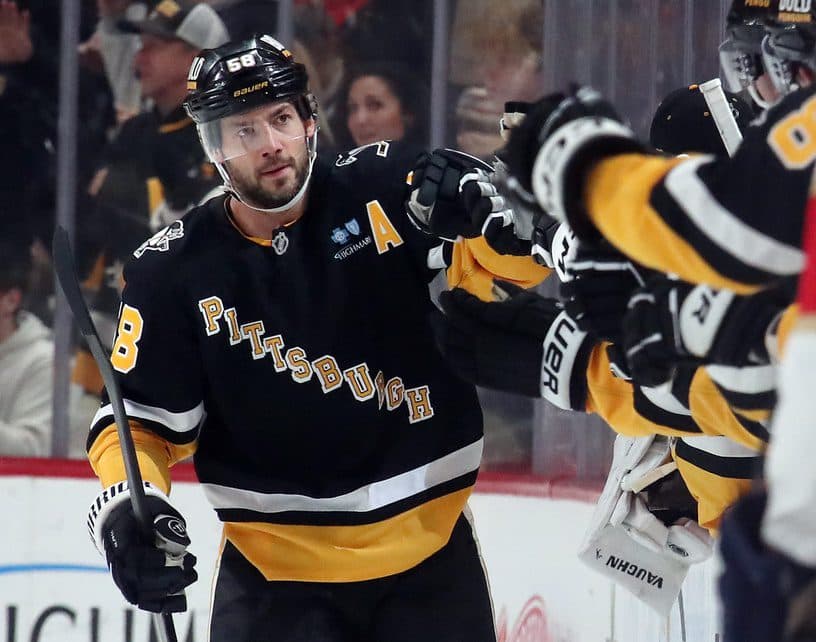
[(721, 113), (66, 275)]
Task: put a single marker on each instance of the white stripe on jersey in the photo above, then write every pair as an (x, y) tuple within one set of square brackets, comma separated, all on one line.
[(436, 257), (665, 400), (749, 380), (366, 498), (180, 422), (723, 228), (719, 446)]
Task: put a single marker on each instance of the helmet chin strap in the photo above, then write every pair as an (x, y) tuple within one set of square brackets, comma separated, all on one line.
[(311, 145)]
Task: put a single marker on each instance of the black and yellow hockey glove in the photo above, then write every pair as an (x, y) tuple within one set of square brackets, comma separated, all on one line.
[(559, 141)]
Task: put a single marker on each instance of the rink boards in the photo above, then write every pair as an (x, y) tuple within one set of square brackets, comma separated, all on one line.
[(54, 585)]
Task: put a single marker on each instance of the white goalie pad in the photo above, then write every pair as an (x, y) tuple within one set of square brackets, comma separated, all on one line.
[(626, 542)]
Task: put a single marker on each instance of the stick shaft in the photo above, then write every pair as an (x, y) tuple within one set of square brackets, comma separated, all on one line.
[(67, 277)]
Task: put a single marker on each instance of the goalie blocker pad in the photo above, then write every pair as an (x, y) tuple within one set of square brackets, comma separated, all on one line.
[(629, 545), (566, 351)]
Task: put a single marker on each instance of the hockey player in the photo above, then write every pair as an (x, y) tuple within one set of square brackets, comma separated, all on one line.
[(279, 335)]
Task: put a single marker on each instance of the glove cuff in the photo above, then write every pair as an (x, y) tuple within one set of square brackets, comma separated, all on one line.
[(107, 501), (564, 364), (564, 159)]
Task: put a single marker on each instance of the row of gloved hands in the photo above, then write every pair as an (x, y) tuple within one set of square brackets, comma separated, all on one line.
[(525, 343)]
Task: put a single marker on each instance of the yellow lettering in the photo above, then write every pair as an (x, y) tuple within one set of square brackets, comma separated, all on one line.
[(232, 321), (298, 364), (253, 332), (384, 232), (327, 371), (394, 393), (419, 404), (793, 139), (212, 308), (125, 351), (273, 346), (360, 382)]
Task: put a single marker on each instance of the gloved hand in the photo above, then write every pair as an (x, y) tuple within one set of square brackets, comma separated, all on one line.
[(559, 141), (510, 234), (598, 285), (451, 195), (670, 322), (151, 569), (766, 596), (525, 344)]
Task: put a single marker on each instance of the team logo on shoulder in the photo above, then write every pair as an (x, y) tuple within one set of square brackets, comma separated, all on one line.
[(160, 242), (280, 243), (349, 157)]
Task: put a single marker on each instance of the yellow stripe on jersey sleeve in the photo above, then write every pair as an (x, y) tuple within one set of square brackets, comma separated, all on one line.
[(613, 399), (714, 493), (618, 201), (475, 264), (714, 415), (154, 454), (293, 552)]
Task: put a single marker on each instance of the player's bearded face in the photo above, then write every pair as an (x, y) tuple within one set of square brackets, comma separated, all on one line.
[(271, 176)]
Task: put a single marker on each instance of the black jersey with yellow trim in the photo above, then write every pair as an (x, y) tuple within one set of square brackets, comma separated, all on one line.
[(305, 372), (729, 222)]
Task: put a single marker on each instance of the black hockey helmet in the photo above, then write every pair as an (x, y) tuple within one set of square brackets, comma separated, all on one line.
[(241, 75), (741, 53), (790, 43)]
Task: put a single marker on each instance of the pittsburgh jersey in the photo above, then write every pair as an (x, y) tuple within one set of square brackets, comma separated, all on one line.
[(328, 432), (734, 223)]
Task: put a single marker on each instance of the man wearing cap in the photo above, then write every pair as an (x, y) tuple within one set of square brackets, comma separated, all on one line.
[(154, 170)]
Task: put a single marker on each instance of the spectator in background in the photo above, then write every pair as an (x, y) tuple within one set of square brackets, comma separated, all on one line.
[(115, 52), (26, 359), (153, 171), (495, 57), (29, 81), (382, 101)]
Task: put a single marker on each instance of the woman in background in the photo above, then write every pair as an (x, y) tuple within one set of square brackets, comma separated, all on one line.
[(382, 101)]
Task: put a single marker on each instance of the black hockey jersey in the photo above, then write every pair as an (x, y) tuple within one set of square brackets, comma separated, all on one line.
[(734, 223), (329, 433)]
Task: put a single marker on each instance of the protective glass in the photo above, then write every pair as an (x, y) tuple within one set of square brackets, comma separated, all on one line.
[(239, 134)]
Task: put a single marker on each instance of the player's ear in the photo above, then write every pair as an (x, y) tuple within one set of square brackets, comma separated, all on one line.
[(310, 126)]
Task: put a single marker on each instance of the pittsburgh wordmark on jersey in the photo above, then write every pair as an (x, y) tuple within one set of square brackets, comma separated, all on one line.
[(391, 392)]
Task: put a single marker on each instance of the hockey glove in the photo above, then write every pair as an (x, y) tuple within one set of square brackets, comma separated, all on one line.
[(151, 569), (597, 288), (451, 195), (525, 344), (558, 143), (671, 322), (766, 596)]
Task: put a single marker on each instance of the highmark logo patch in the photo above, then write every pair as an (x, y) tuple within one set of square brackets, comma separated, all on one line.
[(348, 237)]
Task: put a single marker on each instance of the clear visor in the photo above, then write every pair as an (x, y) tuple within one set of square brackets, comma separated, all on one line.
[(239, 134), (740, 68), (781, 71)]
